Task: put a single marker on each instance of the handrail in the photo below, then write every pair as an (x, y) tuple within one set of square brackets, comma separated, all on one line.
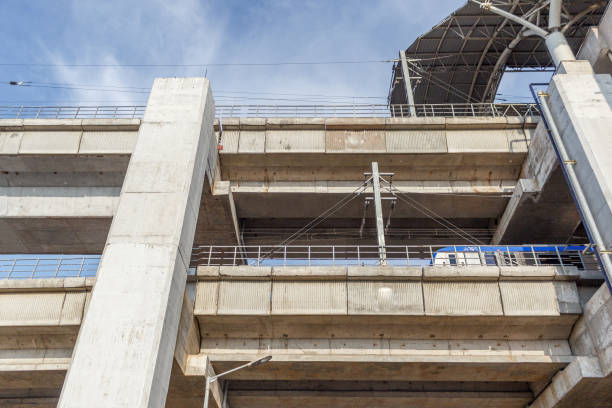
[(580, 257), (397, 255), (72, 112), (348, 110), (379, 110)]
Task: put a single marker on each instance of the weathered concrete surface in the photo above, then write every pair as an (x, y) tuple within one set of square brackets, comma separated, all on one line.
[(431, 302), (596, 45), (580, 104), (340, 148), (392, 360), (134, 312), (319, 399), (586, 382), (541, 198), (64, 154), (56, 219)]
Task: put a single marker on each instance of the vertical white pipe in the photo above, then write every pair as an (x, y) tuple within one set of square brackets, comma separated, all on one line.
[(577, 188), (554, 15)]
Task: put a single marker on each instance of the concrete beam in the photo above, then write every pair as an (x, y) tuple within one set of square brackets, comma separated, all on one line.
[(394, 360), (541, 197), (321, 399)]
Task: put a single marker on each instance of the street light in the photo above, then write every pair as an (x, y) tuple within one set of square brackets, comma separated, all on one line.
[(210, 380)]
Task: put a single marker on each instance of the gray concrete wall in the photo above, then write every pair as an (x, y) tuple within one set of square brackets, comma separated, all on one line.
[(133, 316)]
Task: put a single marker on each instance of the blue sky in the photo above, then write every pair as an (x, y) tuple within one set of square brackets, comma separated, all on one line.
[(213, 31)]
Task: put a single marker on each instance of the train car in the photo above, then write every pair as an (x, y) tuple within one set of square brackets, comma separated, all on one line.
[(501, 255)]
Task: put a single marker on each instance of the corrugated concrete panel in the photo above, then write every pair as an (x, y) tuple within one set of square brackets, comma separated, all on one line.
[(416, 141), (93, 142), (462, 298), (518, 140), (244, 298), (251, 141), (297, 141), (309, 298), (9, 142), (402, 298), (355, 141), (50, 142), (72, 309), (229, 141), (568, 298), (206, 298), (529, 298), (477, 141), (31, 309)]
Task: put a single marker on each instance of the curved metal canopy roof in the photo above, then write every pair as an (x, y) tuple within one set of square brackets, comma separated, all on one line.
[(462, 58)]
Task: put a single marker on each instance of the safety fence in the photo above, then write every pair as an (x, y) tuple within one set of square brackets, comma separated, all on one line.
[(581, 257), (378, 110), (71, 112), (48, 266), (229, 111)]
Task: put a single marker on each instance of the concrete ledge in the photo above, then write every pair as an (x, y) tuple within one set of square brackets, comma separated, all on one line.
[(320, 123), (309, 273), (69, 124), (207, 272), (459, 273), (514, 273), (46, 285), (385, 273), (244, 272)]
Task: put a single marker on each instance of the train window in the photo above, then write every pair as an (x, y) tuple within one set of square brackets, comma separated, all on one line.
[(452, 259)]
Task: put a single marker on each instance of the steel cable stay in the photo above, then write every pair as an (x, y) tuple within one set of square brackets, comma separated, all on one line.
[(432, 214), (320, 218)]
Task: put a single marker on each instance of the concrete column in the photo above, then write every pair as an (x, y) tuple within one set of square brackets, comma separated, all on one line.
[(580, 103), (123, 355)]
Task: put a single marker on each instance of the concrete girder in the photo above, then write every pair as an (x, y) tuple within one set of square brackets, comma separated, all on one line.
[(319, 399)]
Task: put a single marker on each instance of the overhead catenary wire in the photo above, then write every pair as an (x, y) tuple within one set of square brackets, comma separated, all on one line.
[(201, 65), (326, 214), (432, 214), (213, 64)]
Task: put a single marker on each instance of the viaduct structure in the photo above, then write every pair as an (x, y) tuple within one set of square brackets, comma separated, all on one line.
[(149, 250)]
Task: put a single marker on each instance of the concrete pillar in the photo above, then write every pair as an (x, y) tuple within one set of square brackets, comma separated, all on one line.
[(123, 355), (580, 103)]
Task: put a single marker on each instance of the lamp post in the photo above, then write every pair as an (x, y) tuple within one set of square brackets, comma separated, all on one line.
[(210, 380)]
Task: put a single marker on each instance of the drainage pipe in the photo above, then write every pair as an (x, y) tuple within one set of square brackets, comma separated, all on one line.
[(603, 255)]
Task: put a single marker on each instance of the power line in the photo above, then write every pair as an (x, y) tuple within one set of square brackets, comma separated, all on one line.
[(218, 94), (433, 215), (212, 64)]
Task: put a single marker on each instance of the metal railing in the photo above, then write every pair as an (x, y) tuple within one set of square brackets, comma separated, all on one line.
[(48, 266), (228, 111), (64, 266), (398, 255), (71, 112), (384, 111)]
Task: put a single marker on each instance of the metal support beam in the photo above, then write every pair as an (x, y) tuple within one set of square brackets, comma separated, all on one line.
[(407, 83), (380, 228), (557, 45)]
